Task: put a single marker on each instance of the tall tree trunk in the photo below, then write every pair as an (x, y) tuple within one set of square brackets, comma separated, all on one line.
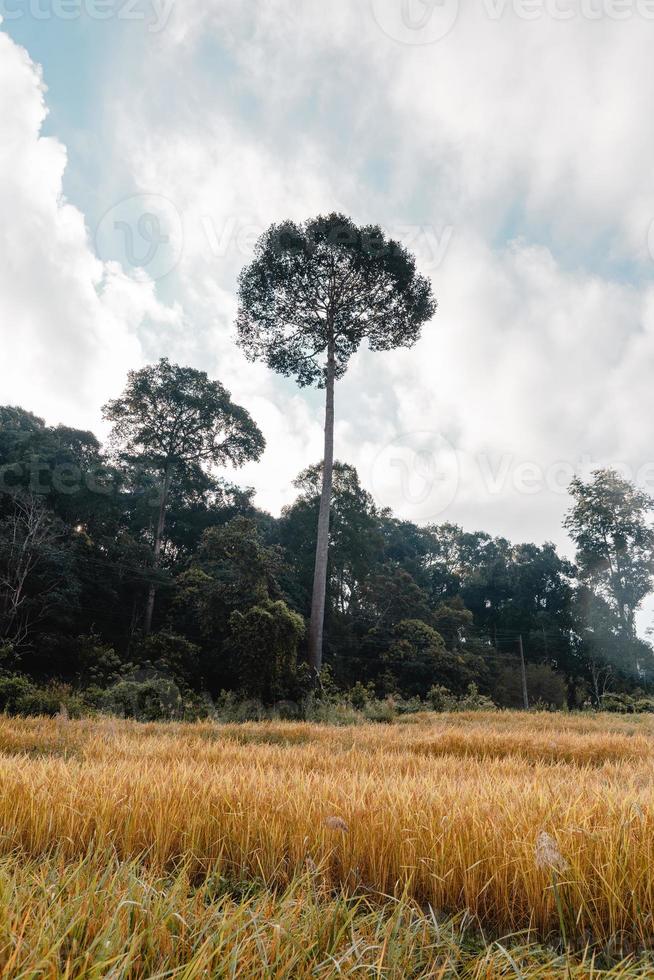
[(158, 541), (322, 538)]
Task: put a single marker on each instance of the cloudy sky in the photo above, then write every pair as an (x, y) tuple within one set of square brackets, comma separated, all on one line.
[(144, 145)]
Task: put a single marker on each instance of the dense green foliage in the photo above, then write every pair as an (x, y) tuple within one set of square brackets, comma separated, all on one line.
[(431, 613)]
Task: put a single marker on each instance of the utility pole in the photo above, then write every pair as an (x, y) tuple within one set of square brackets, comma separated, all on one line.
[(525, 696)]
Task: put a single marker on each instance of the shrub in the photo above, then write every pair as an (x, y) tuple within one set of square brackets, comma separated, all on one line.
[(96, 663), (384, 711), (264, 644), (441, 699), (145, 698), (359, 696), (409, 706), (472, 700), (619, 703), (50, 700), (331, 713), (627, 703), (13, 690)]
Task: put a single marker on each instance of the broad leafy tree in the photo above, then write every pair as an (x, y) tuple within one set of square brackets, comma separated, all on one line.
[(610, 525), (312, 294), (174, 420)]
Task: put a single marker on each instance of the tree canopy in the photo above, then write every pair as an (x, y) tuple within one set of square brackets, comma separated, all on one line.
[(328, 283)]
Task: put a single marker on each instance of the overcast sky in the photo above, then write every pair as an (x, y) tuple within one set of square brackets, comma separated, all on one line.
[(509, 143)]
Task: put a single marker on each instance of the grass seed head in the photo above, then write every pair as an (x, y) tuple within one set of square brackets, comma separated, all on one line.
[(336, 823), (548, 854)]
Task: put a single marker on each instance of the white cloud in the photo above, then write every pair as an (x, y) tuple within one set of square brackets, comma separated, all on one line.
[(532, 373), (526, 138), (69, 323), (537, 360)]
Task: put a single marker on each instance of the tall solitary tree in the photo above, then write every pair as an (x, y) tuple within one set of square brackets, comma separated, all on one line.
[(312, 294), (173, 419)]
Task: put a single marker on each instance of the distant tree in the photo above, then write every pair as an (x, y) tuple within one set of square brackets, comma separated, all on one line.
[(92, 662), (231, 571), (600, 646), (453, 621), (31, 569), (390, 595), (417, 657), (413, 656), (313, 293), (609, 523), (62, 466), (174, 420)]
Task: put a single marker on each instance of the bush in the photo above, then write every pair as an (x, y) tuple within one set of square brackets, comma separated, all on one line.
[(383, 712), (359, 696), (97, 663), (145, 698), (409, 706), (472, 700), (13, 690), (331, 713), (441, 699), (49, 701), (619, 703)]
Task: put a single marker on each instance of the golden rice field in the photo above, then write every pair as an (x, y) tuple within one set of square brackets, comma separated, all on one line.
[(478, 845)]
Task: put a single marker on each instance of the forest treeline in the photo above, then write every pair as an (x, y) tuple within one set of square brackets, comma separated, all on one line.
[(412, 611), (133, 566)]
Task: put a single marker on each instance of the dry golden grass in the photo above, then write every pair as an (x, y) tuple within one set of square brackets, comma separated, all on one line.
[(455, 814)]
